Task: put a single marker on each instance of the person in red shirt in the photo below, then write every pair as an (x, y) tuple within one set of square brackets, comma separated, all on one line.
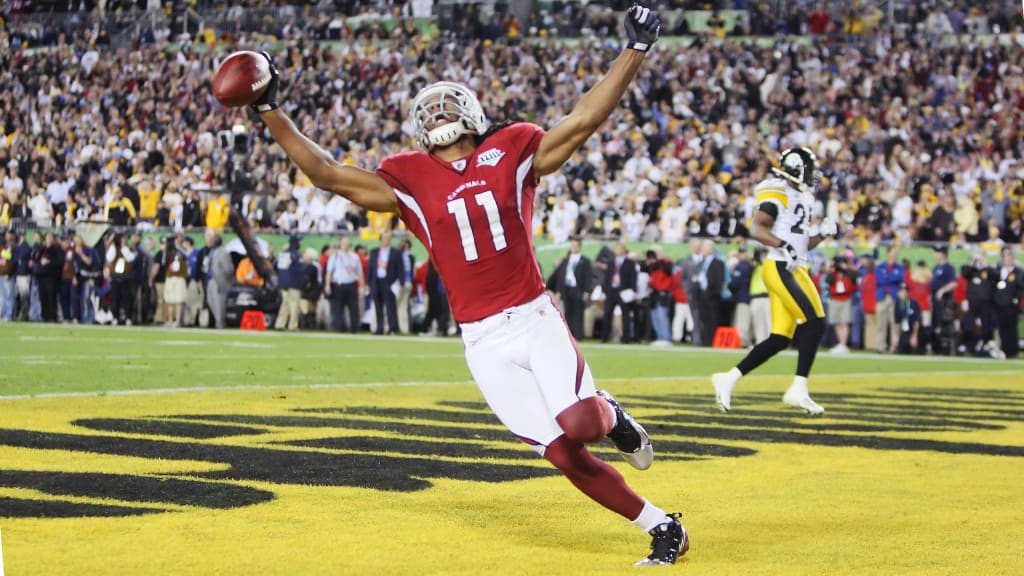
[(818, 21), (841, 283), (869, 303), (468, 196), (918, 281), (682, 320)]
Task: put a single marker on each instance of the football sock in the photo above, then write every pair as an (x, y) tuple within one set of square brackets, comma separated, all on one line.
[(649, 517), (761, 353), (734, 375), (594, 477), (810, 339), (799, 385)]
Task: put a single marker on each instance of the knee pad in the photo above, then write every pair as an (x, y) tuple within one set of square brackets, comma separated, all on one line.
[(586, 421)]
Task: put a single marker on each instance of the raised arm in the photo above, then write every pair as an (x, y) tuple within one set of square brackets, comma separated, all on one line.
[(360, 186), (642, 26)]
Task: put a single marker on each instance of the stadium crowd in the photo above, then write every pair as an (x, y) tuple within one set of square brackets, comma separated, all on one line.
[(919, 132)]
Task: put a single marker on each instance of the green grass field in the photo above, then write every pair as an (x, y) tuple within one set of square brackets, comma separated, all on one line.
[(151, 451)]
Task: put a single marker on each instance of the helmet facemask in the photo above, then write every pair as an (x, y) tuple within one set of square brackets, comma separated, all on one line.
[(444, 112), (799, 166)]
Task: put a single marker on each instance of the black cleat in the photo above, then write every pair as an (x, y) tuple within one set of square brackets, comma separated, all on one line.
[(629, 437), (669, 542)]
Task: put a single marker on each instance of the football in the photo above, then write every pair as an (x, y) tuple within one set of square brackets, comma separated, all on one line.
[(241, 78)]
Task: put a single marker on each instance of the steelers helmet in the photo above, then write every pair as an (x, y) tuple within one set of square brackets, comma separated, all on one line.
[(444, 112), (799, 166)]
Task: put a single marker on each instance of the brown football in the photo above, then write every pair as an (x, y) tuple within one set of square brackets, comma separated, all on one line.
[(241, 78)]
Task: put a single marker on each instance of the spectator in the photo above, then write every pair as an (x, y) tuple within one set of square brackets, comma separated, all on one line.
[(868, 291), (573, 281), (385, 276), (8, 293), (908, 317), (217, 211), (222, 276), (659, 297), (919, 287), (119, 211), (888, 277), (120, 258), (711, 280), (438, 313), (47, 267), (690, 273), (312, 287), (941, 225), (1009, 294), (619, 289), (157, 279), (403, 301), (291, 277), (176, 279), (760, 304), (818, 21), (343, 286), (841, 283), (980, 318), (682, 318), (70, 308), (739, 286)]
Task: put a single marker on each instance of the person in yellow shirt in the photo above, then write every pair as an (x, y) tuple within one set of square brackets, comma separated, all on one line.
[(217, 210), (149, 199)]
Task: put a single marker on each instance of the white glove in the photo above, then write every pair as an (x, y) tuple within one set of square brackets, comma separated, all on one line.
[(829, 227), (792, 258)]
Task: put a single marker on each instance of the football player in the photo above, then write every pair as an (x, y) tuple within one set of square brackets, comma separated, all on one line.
[(468, 196), (782, 223)]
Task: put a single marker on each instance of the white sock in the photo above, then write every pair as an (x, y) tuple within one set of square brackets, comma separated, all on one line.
[(799, 385), (649, 517), (734, 375)]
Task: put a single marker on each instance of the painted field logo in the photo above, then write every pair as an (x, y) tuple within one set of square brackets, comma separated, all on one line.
[(401, 449)]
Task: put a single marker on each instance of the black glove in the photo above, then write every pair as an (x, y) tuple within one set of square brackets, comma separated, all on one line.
[(268, 100), (642, 27)]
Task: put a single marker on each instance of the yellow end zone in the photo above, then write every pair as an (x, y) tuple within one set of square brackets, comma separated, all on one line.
[(908, 475)]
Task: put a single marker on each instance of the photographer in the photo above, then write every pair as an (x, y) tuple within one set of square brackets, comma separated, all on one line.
[(660, 298), (841, 283)]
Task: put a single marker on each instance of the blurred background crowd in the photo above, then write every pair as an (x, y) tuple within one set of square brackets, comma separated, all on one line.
[(916, 110)]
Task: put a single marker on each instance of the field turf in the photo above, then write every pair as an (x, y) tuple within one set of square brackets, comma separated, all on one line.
[(151, 451)]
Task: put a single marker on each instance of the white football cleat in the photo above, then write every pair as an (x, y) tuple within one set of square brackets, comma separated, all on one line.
[(723, 384), (802, 400)]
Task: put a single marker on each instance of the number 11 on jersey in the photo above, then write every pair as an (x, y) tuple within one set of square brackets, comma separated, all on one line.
[(459, 209)]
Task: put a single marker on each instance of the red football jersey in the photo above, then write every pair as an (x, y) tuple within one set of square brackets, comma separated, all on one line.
[(475, 217)]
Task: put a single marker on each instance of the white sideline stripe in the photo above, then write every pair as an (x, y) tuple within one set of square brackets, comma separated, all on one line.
[(738, 352), (341, 385), (41, 360)]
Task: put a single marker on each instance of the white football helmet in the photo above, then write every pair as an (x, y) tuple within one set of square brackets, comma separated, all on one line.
[(453, 103), (799, 166)]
